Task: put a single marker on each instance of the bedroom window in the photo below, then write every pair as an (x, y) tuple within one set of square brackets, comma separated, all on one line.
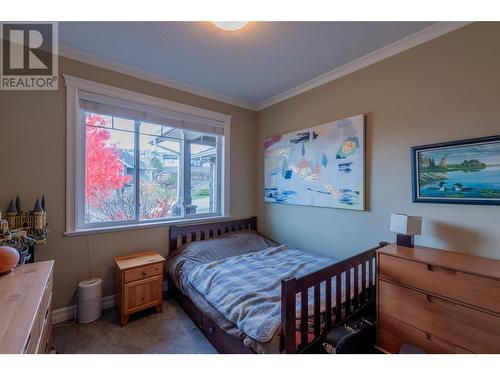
[(135, 160)]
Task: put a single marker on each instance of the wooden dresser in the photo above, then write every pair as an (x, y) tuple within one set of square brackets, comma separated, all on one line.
[(139, 283), (26, 309), (440, 301)]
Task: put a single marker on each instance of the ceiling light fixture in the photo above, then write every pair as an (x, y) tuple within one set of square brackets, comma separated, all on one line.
[(231, 25)]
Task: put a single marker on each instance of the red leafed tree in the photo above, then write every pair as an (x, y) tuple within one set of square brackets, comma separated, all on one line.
[(104, 172), (105, 180)]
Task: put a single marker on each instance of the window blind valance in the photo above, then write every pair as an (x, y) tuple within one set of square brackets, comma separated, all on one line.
[(110, 106)]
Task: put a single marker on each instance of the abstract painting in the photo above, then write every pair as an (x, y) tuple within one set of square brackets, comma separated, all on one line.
[(322, 166), (465, 172)]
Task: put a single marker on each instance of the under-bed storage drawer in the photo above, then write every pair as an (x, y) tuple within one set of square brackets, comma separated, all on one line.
[(393, 334), (442, 281), (223, 342), (468, 328)]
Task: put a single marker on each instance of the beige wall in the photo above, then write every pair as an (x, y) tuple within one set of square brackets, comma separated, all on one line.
[(446, 89), (443, 90), (33, 153)]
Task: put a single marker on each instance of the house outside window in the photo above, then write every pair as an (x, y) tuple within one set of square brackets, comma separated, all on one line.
[(137, 160)]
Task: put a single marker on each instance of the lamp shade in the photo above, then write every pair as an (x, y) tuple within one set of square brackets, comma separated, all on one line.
[(404, 224)]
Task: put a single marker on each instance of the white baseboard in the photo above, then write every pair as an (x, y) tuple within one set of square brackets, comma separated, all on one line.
[(68, 313)]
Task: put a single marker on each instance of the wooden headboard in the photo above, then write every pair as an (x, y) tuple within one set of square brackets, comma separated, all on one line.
[(197, 232)]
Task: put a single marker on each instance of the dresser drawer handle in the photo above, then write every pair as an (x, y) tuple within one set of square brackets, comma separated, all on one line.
[(144, 273), (432, 299), (438, 341), (211, 330), (432, 268)]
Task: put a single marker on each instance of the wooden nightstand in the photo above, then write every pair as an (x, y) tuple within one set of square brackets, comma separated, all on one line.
[(139, 283)]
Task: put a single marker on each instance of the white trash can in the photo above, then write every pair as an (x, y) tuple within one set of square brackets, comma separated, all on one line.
[(89, 300)]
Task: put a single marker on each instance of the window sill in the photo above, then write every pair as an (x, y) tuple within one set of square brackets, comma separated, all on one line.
[(121, 228)]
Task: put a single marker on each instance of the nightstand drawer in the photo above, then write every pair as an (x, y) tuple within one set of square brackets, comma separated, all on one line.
[(463, 287), (143, 272), (141, 294), (465, 327), (393, 334)]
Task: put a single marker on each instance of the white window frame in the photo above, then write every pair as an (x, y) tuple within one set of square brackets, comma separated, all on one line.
[(75, 154)]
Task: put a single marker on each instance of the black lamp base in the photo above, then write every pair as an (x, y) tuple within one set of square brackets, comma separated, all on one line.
[(404, 240)]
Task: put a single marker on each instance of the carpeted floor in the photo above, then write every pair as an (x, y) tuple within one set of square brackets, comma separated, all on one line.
[(169, 332)]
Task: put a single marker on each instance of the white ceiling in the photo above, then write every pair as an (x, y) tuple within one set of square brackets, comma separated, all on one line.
[(248, 67)]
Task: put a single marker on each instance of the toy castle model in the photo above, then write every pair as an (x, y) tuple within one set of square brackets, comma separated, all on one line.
[(33, 223)]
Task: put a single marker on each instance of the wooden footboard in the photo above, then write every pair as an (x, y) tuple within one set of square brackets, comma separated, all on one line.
[(337, 307)]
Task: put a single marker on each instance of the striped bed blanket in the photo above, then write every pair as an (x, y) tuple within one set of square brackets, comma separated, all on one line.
[(246, 288)]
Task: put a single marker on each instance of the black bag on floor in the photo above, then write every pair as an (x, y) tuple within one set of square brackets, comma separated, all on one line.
[(354, 337)]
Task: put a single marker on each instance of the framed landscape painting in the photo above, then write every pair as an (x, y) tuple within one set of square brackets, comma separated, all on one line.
[(465, 172), (321, 166)]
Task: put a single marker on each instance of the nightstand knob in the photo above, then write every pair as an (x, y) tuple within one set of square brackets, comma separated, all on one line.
[(211, 330), (143, 273)]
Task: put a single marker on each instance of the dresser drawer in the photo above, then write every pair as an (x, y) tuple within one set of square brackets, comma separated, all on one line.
[(393, 334), (143, 272), (46, 299), (40, 318), (43, 345), (471, 289), (468, 328), (33, 337)]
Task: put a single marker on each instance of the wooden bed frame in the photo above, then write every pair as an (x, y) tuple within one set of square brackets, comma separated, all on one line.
[(291, 342)]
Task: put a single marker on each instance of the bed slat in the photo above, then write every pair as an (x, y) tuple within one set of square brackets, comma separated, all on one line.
[(304, 304), (288, 305), (363, 283), (317, 306), (328, 303), (347, 308), (338, 298), (370, 279), (356, 286)]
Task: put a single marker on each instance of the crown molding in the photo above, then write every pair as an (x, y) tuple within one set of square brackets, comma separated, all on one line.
[(389, 50), (75, 54)]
